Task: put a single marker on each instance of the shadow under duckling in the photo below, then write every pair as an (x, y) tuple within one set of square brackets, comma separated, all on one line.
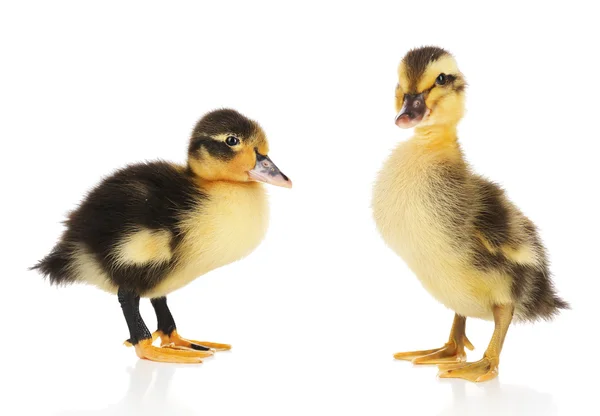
[(470, 247), (152, 228)]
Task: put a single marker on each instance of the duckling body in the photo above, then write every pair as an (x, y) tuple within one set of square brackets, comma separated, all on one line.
[(407, 215), (470, 247), (164, 229), (152, 228)]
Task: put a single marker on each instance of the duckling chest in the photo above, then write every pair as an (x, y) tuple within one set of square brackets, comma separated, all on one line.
[(422, 222), (409, 208), (231, 226), (228, 226)]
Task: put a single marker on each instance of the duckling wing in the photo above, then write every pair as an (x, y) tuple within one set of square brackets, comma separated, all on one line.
[(507, 242), (502, 230)]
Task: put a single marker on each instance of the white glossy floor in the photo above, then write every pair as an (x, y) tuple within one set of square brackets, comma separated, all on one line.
[(158, 389), (303, 358)]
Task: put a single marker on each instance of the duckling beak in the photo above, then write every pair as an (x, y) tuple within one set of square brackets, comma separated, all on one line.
[(266, 171), (412, 112)]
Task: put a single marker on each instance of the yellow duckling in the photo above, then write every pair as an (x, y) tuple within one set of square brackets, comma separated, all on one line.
[(152, 228), (470, 247)]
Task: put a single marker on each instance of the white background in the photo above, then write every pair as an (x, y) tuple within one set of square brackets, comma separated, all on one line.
[(316, 312)]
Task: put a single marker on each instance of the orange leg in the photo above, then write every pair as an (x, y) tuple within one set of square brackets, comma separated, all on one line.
[(452, 352), (486, 368)]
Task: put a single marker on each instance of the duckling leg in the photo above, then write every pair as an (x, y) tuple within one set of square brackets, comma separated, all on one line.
[(141, 338), (452, 352), (167, 331), (486, 368)]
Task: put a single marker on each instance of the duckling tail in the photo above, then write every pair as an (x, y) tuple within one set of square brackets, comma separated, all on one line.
[(560, 303), (56, 266), (540, 300)]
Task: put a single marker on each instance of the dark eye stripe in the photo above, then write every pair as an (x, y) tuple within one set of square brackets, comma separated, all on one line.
[(449, 80), (216, 149)]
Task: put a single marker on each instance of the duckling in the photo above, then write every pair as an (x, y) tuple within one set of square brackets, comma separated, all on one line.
[(469, 245), (152, 228)]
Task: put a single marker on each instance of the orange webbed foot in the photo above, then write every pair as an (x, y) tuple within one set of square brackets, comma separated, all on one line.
[(145, 350), (174, 340), (451, 352), (478, 371)]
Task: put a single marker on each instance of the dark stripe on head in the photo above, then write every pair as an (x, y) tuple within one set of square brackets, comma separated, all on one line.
[(223, 122), (416, 62), (457, 83), (215, 148)]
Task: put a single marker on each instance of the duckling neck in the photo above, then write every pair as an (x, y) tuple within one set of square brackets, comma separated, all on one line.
[(206, 184), (437, 137), (446, 132)]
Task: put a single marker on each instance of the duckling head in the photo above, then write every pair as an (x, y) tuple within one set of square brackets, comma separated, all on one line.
[(226, 146), (430, 89)]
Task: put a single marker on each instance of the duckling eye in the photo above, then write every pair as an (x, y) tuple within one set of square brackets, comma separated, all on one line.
[(232, 141), (441, 79)]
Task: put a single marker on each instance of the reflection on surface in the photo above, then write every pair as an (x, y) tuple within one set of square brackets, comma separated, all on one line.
[(495, 398), (148, 392)]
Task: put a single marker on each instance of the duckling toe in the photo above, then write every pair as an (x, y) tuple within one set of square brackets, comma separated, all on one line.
[(478, 371), (446, 354), (411, 355), (175, 341), (211, 345), (449, 353), (145, 350)]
